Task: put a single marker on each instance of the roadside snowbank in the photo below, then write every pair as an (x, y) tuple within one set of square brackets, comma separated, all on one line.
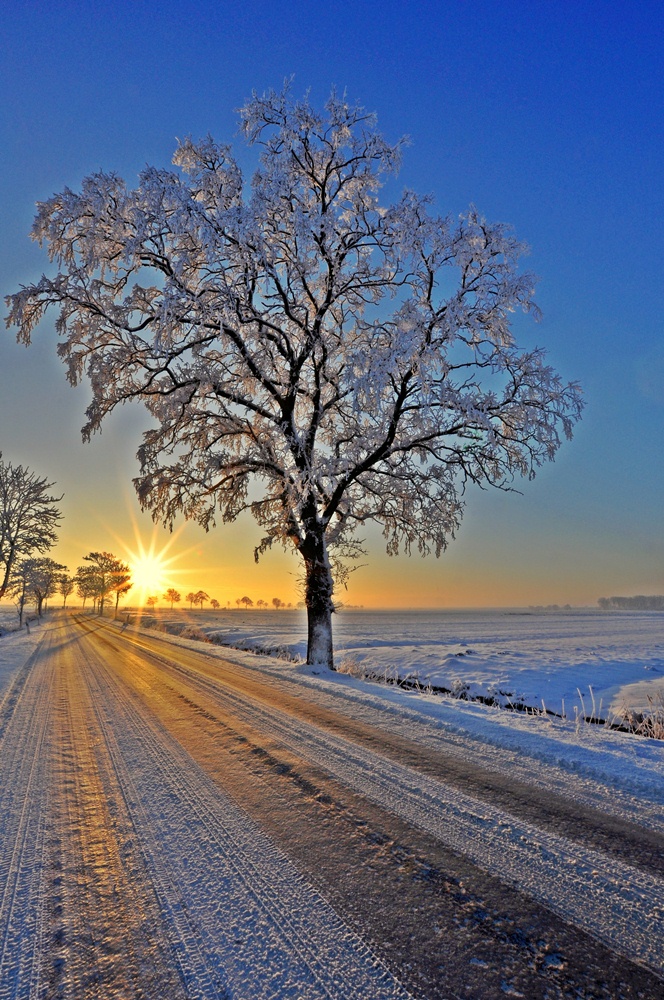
[(15, 648), (586, 660)]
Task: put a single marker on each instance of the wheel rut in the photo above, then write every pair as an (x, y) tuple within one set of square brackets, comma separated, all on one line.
[(546, 957)]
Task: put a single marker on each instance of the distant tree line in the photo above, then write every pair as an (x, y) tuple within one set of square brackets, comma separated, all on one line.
[(642, 602)]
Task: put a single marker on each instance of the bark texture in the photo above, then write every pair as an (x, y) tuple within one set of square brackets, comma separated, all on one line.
[(318, 599)]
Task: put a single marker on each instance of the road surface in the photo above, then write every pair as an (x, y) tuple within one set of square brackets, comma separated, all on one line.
[(175, 825)]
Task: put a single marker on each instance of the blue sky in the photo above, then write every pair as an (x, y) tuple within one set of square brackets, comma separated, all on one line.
[(545, 116)]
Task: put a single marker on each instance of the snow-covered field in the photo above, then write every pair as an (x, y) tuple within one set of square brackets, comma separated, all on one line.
[(593, 661)]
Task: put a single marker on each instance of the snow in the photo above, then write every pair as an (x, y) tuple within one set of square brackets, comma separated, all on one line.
[(16, 647), (617, 772), (535, 656), (178, 832), (512, 655)]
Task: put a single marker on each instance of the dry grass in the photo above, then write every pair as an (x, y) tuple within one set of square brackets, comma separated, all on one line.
[(648, 723)]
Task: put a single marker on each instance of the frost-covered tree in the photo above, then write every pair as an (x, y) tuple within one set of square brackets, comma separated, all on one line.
[(19, 586), (43, 579), (29, 516), (350, 361)]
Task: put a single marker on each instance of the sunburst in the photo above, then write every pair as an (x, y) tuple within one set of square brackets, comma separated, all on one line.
[(153, 570)]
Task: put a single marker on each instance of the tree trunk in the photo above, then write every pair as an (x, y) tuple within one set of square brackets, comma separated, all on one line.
[(318, 599)]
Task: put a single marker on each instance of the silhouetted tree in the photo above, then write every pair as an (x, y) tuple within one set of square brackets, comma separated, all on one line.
[(29, 516), (66, 585), (104, 574), (174, 596), (200, 597)]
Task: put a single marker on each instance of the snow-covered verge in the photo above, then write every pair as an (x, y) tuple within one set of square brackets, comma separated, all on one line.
[(581, 662), (16, 646), (617, 772)]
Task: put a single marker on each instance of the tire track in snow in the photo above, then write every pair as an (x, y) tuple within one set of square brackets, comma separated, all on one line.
[(541, 777), (620, 905), (106, 933), (23, 797), (248, 923)]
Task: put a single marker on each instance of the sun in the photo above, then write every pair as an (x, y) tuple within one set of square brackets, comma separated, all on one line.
[(152, 569), (149, 573), (156, 565)]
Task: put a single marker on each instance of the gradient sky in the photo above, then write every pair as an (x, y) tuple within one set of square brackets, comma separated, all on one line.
[(546, 116)]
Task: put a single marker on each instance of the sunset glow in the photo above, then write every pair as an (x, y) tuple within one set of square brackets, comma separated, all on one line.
[(149, 574), (154, 567)]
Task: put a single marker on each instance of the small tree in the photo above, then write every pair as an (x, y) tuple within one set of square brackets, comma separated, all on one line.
[(152, 602), (215, 603), (19, 586), (247, 601), (121, 587), (277, 603), (200, 597), (66, 585), (44, 576), (174, 596), (29, 516), (261, 604), (353, 361), (104, 575), (86, 583), (191, 597)]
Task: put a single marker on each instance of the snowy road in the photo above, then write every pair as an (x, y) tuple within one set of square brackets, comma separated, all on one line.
[(172, 825)]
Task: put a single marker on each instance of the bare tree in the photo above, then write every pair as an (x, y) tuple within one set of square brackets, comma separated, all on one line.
[(29, 516), (66, 585), (174, 596), (104, 575), (86, 583), (19, 586), (200, 597), (355, 361), (121, 583)]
